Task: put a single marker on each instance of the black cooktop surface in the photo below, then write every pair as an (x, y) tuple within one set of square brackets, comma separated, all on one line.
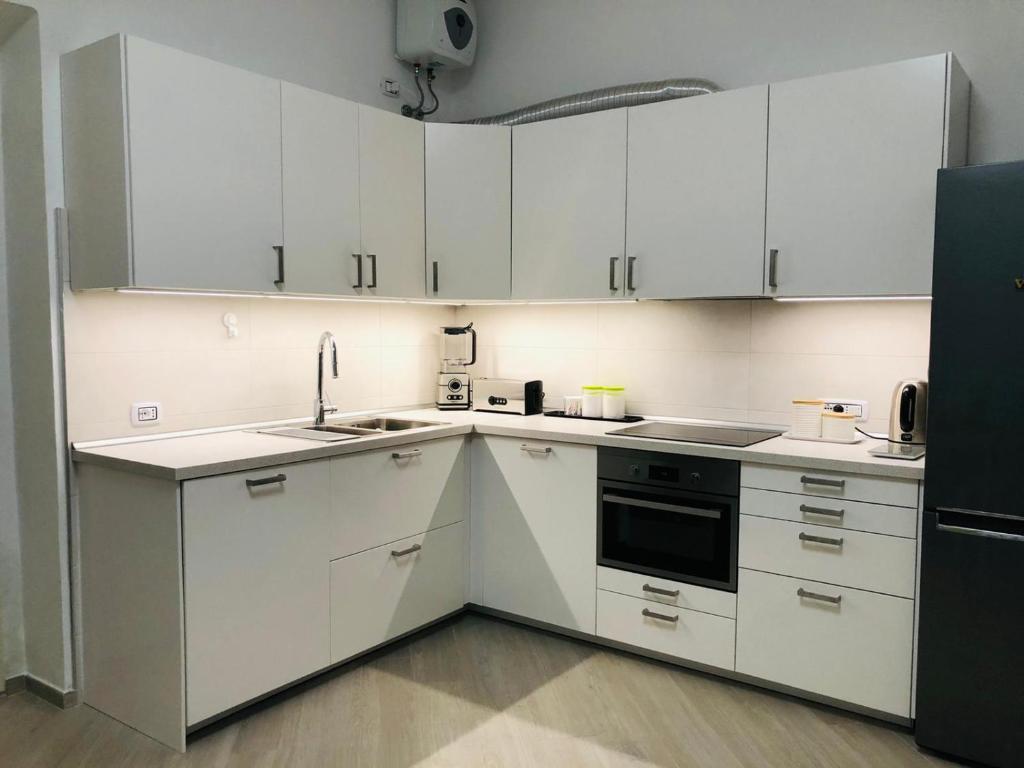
[(696, 433)]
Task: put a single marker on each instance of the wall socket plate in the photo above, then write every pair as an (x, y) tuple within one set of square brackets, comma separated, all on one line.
[(390, 87), (856, 408), (145, 414)]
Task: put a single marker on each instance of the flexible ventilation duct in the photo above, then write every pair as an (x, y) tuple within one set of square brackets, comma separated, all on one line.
[(631, 95)]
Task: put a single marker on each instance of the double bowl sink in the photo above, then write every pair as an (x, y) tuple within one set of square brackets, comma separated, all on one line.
[(349, 429)]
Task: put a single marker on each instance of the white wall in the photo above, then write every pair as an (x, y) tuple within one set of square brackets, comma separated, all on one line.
[(732, 360), (531, 50)]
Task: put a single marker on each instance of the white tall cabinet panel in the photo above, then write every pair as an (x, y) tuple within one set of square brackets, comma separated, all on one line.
[(205, 159), (391, 204), (696, 196), (469, 211), (569, 207), (320, 162), (257, 583), (852, 158), (534, 529)]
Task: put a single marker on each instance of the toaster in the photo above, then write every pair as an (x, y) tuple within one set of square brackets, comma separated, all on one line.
[(508, 396)]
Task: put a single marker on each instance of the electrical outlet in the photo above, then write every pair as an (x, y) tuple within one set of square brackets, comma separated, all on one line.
[(145, 414), (390, 87), (856, 408)]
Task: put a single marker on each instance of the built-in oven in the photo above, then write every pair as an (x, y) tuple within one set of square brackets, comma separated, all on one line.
[(669, 515)]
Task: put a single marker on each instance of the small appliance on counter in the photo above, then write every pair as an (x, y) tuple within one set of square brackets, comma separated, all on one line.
[(907, 422), (508, 396), (458, 351)]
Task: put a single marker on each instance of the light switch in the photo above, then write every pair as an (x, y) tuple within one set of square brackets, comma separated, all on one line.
[(145, 414)]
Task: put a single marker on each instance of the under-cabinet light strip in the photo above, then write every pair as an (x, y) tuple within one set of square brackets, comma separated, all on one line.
[(795, 299)]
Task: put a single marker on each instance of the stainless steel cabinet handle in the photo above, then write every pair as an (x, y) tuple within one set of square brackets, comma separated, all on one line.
[(773, 268), (809, 510), (820, 540), (403, 552), (435, 277), (833, 599), (630, 263), (660, 591), (661, 506), (406, 454), (659, 616), (828, 482), (612, 263), (535, 449), (359, 270), (265, 481), (373, 270), (280, 265)]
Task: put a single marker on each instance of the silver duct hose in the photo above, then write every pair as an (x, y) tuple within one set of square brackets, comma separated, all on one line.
[(631, 95)]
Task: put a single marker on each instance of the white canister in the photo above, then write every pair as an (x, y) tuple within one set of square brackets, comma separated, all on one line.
[(807, 418), (593, 402), (838, 426), (613, 405)]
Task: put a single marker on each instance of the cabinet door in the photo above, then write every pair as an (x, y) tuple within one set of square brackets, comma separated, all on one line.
[(852, 158), (695, 201), (391, 202), (535, 529), (205, 165), (569, 207), (257, 589), (320, 171), (469, 211)]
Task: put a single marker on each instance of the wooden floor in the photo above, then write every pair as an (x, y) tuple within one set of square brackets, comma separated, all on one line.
[(480, 692)]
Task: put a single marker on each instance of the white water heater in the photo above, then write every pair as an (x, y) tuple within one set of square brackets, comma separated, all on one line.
[(436, 33)]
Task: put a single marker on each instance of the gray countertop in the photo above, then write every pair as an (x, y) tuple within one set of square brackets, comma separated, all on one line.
[(185, 457)]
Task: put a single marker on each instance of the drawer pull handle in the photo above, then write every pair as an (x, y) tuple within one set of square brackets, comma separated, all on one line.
[(265, 481), (534, 449), (660, 591), (403, 552), (828, 482), (809, 510), (831, 599), (820, 540), (406, 454), (659, 616)]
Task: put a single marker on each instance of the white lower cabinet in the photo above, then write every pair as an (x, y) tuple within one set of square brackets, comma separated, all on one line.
[(385, 592), (256, 583), (685, 634), (843, 643), (535, 529)]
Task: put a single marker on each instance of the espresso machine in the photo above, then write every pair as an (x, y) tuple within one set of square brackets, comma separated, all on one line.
[(458, 352)]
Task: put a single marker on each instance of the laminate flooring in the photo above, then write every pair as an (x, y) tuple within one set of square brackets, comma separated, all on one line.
[(482, 692)]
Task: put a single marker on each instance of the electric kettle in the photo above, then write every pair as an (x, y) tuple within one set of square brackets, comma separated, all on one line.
[(907, 418)]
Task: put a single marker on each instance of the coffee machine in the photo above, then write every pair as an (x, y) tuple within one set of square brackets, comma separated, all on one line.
[(458, 352)]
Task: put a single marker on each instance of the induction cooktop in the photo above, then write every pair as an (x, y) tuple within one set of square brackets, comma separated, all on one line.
[(739, 437)]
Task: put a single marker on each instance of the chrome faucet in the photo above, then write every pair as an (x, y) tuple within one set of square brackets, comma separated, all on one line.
[(320, 409)]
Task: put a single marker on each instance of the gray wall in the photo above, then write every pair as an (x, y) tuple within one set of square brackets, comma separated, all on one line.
[(530, 50)]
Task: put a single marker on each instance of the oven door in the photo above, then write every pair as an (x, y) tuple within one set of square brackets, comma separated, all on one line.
[(679, 535)]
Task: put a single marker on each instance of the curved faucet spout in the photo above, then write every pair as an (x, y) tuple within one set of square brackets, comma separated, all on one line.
[(320, 408)]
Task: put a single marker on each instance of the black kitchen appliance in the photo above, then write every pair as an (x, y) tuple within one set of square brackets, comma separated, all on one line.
[(669, 515), (970, 680), (738, 437)]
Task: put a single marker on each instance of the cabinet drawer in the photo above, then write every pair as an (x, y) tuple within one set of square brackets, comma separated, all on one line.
[(684, 634), (863, 560), (256, 583), (382, 593), (836, 485), (667, 592), (841, 513), (390, 494), (858, 650)]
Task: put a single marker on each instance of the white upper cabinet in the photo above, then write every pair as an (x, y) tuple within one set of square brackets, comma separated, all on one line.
[(391, 203), (173, 170), (696, 196), (469, 211), (852, 158), (569, 207), (320, 162)]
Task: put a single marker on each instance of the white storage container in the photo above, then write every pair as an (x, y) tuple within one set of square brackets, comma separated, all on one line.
[(614, 403), (807, 418), (593, 402)]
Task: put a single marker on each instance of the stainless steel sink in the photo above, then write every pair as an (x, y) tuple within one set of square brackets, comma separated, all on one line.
[(349, 429)]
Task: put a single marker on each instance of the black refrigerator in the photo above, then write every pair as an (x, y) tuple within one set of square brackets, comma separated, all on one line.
[(970, 679)]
